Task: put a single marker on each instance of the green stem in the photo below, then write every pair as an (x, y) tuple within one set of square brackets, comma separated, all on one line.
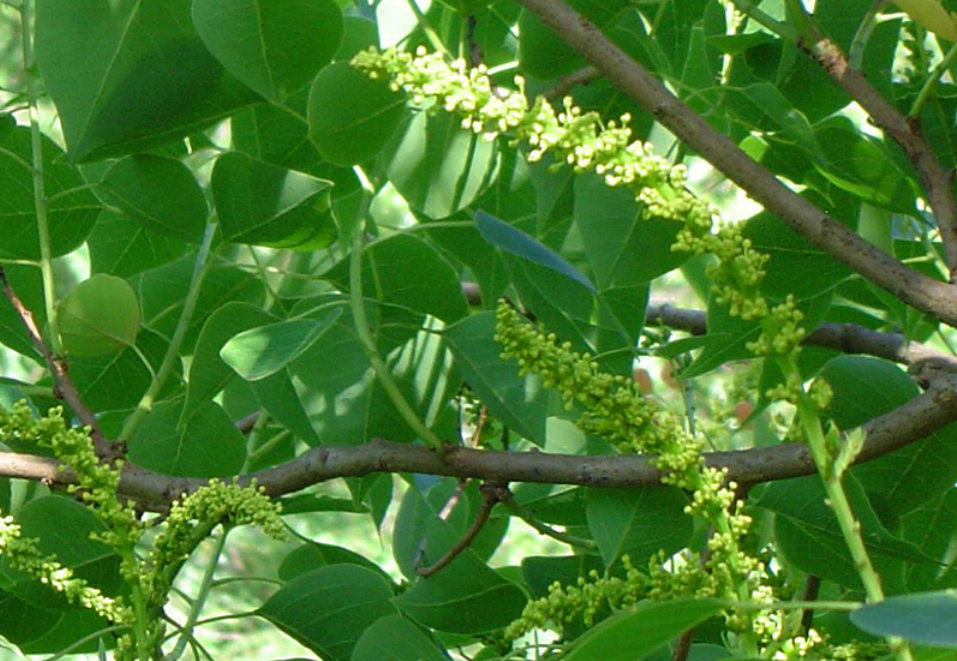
[(86, 639), (810, 419), (931, 82), (780, 28), (182, 326), (140, 627), (39, 195), (855, 54), (200, 601), (368, 343), (426, 28)]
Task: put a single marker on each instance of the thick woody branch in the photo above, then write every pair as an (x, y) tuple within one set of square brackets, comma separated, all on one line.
[(918, 418), (937, 182), (936, 298), (65, 390)]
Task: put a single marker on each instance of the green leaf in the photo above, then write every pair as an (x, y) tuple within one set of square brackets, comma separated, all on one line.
[(637, 632), (122, 248), (208, 374), (161, 194), (519, 402), (928, 618), (127, 75), (791, 253), (351, 116), (260, 352), (465, 596), (118, 381), (394, 638), (277, 135), (315, 555), (544, 54), (162, 291), (810, 537), (518, 243), (275, 47), (623, 248), (262, 204), (392, 269), (328, 609), (72, 208), (865, 388), (342, 396), (931, 527), (99, 316), (438, 166), (860, 165), (416, 544), (540, 572), (207, 445), (638, 522)]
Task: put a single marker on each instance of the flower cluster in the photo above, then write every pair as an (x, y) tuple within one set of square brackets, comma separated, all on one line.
[(563, 604), (24, 555), (191, 520), (612, 407), (587, 143)]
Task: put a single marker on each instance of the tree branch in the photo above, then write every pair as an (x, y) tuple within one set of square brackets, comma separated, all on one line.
[(847, 338), (918, 418), (65, 390), (926, 294), (937, 182), (491, 494)]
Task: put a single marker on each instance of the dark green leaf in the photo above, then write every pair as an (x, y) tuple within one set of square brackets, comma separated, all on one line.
[(207, 445), (262, 204), (928, 618), (351, 116), (72, 208), (519, 402), (394, 638), (124, 248), (314, 555), (438, 166), (514, 241), (638, 522), (637, 632), (127, 75), (274, 47), (865, 388), (328, 609), (260, 352), (466, 596), (161, 194), (208, 374)]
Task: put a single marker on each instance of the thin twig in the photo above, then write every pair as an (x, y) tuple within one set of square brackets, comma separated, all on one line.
[(65, 390), (574, 79), (526, 516), (491, 494), (812, 587)]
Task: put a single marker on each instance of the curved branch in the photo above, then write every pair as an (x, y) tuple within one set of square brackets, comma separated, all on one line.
[(936, 298), (918, 418), (937, 182)]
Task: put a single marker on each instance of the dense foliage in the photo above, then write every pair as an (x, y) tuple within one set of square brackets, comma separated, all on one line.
[(254, 250)]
